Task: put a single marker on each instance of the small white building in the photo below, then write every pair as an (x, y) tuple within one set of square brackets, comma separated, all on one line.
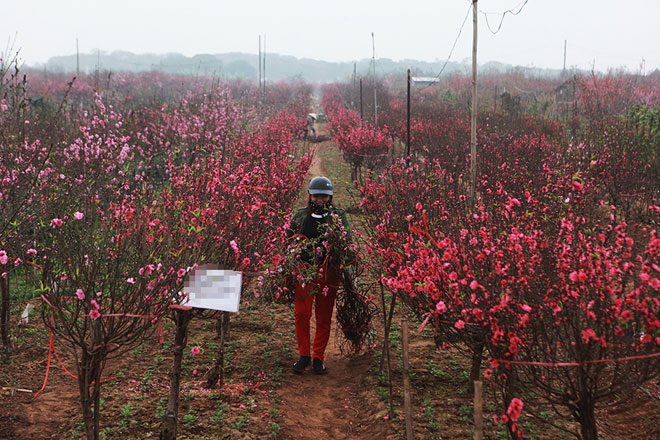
[(424, 80)]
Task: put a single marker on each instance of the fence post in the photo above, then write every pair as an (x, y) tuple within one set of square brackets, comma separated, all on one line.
[(406, 380)]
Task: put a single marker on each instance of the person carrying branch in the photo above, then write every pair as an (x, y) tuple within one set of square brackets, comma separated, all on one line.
[(326, 244)]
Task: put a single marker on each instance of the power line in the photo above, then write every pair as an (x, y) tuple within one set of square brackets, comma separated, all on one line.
[(508, 11), (452, 49)]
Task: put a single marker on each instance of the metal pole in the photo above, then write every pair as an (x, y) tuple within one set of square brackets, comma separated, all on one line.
[(259, 88), (408, 124), (264, 64), (77, 60), (473, 125)]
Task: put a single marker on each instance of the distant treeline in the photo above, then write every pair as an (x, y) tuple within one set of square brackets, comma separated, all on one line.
[(278, 67)]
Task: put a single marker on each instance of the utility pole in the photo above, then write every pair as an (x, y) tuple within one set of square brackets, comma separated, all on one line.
[(563, 72), (259, 88), (373, 58), (354, 75), (408, 122), (264, 63), (361, 111), (473, 124), (98, 68), (77, 59)]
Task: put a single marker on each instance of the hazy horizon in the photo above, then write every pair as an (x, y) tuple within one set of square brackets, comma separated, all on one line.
[(604, 34)]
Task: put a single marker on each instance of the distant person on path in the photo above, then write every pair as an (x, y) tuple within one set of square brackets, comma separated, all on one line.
[(311, 130), (326, 232)]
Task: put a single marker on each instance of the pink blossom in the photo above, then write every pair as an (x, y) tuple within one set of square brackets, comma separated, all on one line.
[(626, 315), (94, 314), (195, 351), (577, 186), (418, 206), (515, 409), (644, 276), (233, 245), (95, 304), (460, 324), (80, 294), (573, 276), (31, 251), (525, 307), (181, 272), (655, 283), (3, 257), (441, 307), (78, 215), (130, 280), (56, 222), (587, 335), (474, 285)]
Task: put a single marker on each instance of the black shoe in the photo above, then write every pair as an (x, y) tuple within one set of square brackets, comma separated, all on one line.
[(302, 363), (318, 366)]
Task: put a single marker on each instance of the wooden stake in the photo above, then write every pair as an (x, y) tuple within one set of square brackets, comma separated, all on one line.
[(406, 379), (386, 349), (478, 411)]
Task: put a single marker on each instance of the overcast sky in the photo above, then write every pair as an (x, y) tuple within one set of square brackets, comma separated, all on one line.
[(604, 33)]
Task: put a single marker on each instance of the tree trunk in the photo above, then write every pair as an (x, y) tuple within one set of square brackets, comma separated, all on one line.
[(585, 407), (4, 315), (169, 428), (216, 375), (587, 420), (89, 371), (477, 356), (84, 380)]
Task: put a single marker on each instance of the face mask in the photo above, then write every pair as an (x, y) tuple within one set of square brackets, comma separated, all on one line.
[(320, 210)]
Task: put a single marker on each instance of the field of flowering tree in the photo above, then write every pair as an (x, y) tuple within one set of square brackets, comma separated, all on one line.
[(114, 187), (551, 275), (109, 197)]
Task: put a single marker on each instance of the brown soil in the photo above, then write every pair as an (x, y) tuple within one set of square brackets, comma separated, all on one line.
[(261, 397)]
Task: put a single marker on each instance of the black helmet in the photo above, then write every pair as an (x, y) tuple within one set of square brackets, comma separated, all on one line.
[(320, 185)]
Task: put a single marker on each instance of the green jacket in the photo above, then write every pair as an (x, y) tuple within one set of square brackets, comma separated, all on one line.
[(297, 226)]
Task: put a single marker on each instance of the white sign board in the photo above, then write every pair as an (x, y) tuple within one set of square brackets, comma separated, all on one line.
[(210, 288)]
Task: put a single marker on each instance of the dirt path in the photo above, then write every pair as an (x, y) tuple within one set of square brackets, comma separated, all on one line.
[(342, 404)]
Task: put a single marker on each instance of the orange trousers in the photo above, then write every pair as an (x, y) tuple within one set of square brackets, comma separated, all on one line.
[(324, 304)]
